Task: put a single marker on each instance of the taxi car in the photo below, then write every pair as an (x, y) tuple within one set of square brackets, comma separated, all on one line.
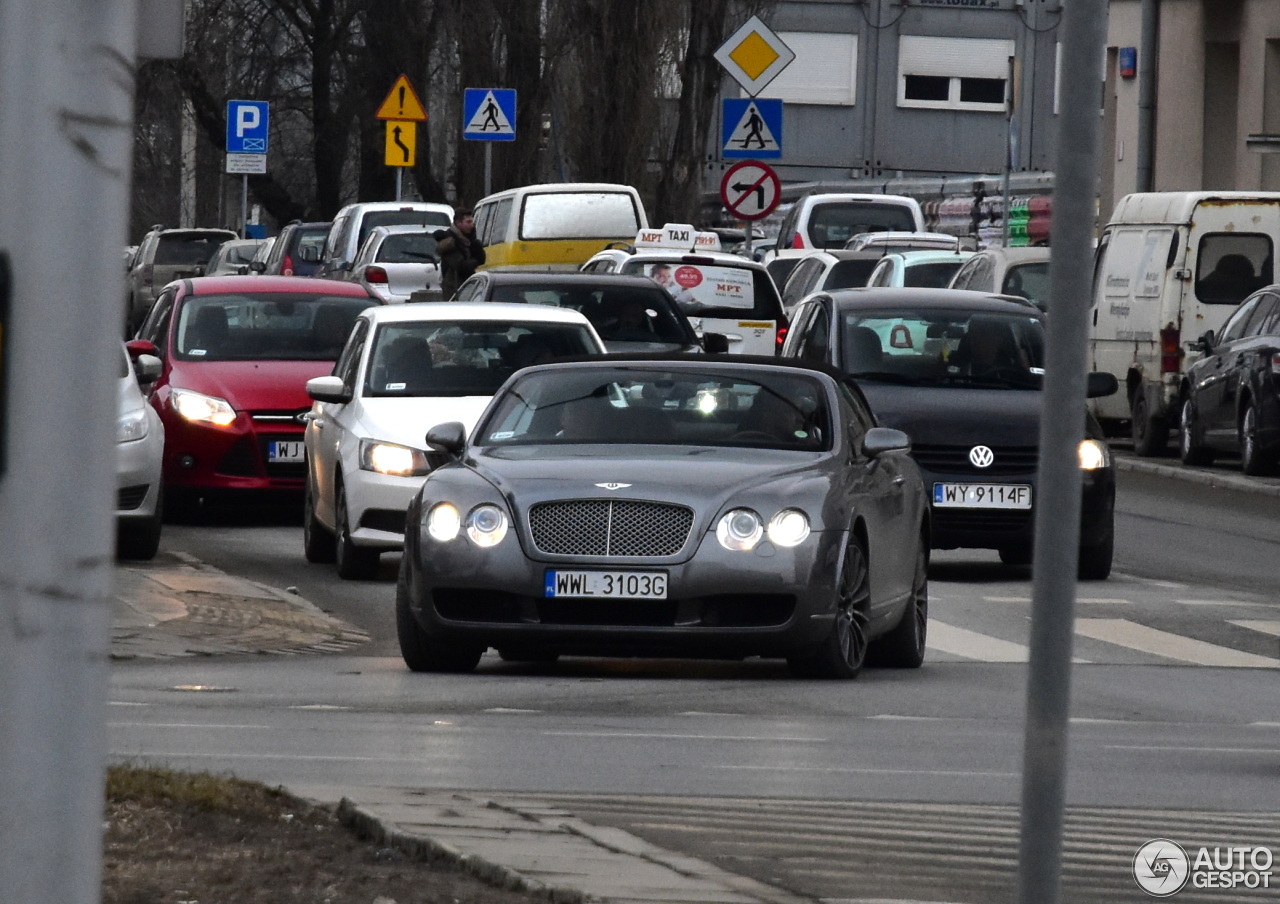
[(404, 369), (668, 506)]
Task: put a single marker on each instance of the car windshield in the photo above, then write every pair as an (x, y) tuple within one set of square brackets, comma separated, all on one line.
[(1030, 281), (835, 222), (258, 326), (409, 248), (685, 407), (464, 358), (944, 348), (631, 314), (187, 250), (851, 274), (936, 275)]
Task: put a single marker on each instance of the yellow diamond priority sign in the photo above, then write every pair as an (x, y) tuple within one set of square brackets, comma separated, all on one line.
[(754, 56)]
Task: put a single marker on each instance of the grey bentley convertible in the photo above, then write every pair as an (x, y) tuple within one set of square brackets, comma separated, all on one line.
[(715, 507)]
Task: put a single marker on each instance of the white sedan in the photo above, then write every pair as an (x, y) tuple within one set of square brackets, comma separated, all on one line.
[(139, 457), (396, 261), (405, 369)]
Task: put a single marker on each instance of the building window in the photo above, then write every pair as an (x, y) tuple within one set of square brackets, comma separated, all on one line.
[(825, 70), (953, 73)]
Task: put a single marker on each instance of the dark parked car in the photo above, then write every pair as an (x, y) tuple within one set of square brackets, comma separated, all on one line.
[(631, 313), (297, 250), (163, 256), (669, 506), (960, 373), (1231, 396)]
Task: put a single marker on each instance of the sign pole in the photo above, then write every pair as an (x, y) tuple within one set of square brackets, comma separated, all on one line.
[(1008, 150), (488, 169), (399, 182), (747, 242), (244, 207)]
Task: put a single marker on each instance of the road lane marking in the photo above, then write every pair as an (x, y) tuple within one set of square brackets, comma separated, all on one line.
[(866, 771), (1103, 600), (1134, 636), (504, 709), (126, 703), (324, 707), (1223, 603), (1007, 599), (945, 638), (678, 737), (1264, 627), (1267, 750), (179, 725)]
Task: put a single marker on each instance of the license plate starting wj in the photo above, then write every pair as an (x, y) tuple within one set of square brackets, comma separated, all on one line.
[(285, 451), (644, 585), (982, 495)]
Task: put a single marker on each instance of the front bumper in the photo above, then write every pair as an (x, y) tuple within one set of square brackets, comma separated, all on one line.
[(376, 505), (201, 456), (138, 465), (768, 602)]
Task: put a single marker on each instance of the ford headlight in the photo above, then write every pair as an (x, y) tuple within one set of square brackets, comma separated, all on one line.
[(789, 527), (389, 458), (740, 529), (132, 426), (1094, 455), (203, 409), (444, 522), (487, 525)]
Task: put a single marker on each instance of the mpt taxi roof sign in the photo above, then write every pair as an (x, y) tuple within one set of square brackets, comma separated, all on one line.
[(754, 56)]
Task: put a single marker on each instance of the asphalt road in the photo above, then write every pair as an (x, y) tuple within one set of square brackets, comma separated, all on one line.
[(907, 781)]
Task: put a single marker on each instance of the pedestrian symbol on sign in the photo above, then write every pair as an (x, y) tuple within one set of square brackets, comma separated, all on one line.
[(752, 127)]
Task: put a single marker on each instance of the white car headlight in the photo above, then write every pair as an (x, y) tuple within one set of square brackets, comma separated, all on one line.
[(487, 525), (389, 458), (203, 409), (740, 529), (1094, 455), (789, 527), (444, 522), (132, 426)]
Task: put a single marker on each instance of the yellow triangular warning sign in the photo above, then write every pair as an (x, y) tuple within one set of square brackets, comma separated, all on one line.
[(402, 103)]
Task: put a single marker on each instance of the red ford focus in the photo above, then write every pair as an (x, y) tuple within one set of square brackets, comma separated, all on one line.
[(237, 352)]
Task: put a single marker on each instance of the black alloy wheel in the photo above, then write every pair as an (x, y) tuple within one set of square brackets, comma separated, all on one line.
[(1191, 448), (317, 540), (1150, 435), (422, 652), (1095, 559), (844, 651), (1252, 461), (904, 646), (354, 562)]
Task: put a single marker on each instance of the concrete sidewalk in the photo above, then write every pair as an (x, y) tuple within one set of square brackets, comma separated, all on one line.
[(1221, 477), (176, 605)]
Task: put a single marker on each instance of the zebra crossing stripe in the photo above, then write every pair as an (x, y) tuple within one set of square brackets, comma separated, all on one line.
[(1264, 627), (945, 638), (1122, 632)]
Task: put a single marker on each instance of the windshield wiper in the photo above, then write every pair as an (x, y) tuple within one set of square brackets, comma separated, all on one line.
[(881, 376)]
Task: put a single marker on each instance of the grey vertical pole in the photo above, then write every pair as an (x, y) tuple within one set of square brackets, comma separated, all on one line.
[(488, 168), (399, 182), (1148, 66), (747, 241), (244, 207), (1057, 520), (66, 111), (1008, 150)]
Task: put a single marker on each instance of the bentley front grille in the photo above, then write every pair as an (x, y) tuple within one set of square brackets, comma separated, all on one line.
[(608, 527)]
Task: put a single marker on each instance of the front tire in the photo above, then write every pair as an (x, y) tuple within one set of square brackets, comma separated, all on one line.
[(140, 540), (421, 652), (1150, 434), (904, 646), (1016, 555), (1095, 559), (844, 651), (355, 563), (1190, 447), (317, 540)]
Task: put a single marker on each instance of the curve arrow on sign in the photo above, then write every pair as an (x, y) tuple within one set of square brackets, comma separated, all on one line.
[(395, 133)]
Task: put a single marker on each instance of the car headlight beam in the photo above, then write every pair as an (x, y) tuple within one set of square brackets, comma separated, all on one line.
[(203, 409), (444, 522), (1093, 455), (392, 459), (487, 525), (788, 528), (740, 530)]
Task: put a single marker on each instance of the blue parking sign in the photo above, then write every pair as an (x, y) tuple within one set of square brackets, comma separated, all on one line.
[(247, 126)]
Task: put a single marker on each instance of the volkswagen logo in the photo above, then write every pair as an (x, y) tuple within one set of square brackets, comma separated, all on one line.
[(981, 456), (613, 486)]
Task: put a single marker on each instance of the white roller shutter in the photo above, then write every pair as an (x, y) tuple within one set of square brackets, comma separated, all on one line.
[(953, 57), (825, 70)]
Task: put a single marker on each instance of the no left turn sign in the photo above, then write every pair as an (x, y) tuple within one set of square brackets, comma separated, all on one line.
[(750, 190)]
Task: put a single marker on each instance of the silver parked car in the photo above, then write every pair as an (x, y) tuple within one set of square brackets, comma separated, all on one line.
[(163, 256), (396, 261), (139, 456), (232, 258)]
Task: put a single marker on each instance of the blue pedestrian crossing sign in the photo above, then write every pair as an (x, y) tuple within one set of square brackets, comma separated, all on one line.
[(489, 114), (751, 128), (247, 126)]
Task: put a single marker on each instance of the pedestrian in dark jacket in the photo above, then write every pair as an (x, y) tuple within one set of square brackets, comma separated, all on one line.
[(460, 252)]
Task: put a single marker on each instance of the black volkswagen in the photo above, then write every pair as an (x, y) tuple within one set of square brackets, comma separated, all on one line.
[(960, 373), (674, 506)]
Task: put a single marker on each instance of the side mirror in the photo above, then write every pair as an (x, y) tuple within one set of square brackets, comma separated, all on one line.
[(258, 266), (340, 267), (880, 440), (715, 343), (328, 389), (449, 438), (1099, 385), (148, 368), (136, 347), (200, 269), (1207, 341)]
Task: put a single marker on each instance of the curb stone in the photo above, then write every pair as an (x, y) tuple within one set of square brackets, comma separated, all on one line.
[(1204, 477)]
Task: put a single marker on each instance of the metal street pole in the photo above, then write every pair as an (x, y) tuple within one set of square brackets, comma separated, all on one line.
[(1057, 523), (66, 121), (1009, 103), (399, 182), (488, 168), (244, 207)]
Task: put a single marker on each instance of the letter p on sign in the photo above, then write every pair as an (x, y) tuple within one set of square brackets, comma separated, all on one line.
[(247, 119)]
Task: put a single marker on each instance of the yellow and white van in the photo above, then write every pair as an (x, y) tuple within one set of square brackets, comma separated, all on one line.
[(559, 225)]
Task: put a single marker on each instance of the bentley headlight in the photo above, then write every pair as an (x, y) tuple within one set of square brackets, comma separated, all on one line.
[(1094, 455), (789, 527), (443, 522), (486, 525), (203, 409), (389, 458), (740, 529), (132, 426)]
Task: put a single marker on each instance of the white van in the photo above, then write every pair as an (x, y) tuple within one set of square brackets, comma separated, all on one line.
[(1169, 267), (820, 222), (354, 222)]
